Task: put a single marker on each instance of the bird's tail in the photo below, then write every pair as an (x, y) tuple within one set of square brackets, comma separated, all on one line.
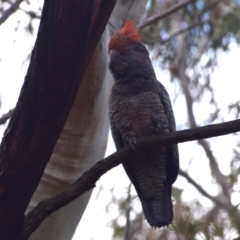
[(158, 211)]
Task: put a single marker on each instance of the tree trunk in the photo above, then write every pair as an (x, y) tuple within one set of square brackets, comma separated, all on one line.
[(68, 34), (84, 137)]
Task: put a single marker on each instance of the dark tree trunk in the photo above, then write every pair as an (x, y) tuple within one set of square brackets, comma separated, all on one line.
[(68, 33)]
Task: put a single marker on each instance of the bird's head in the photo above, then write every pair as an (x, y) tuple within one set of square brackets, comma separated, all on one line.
[(128, 56)]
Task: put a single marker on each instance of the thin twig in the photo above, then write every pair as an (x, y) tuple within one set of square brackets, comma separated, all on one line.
[(181, 75), (181, 31), (199, 188), (196, 23), (6, 116), (184, 81), (127, 214), (128, 223), (89, 178), (32, 14), (160, 16), (7, 13), (218, 200)]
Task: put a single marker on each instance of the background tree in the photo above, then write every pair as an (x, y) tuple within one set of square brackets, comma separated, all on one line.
[(186, 43)]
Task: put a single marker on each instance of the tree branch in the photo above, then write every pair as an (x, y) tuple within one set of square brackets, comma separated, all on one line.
[(181, 31), (127, 214), (218, 200), (194, 24), (160, 16), (199, 188), (221, 179), (6, 116), (89, 178), (184, 82), (7, 13)]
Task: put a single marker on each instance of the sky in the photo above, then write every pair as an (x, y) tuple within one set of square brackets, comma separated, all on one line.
[(15, 47)]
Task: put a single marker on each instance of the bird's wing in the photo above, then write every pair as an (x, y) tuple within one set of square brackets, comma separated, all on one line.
[(117, 138), (119, 143), (172, 161)]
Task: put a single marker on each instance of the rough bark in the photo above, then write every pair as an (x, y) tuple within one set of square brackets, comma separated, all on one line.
[(68, 34)]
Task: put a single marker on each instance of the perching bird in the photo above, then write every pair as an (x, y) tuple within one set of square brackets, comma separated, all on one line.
[(139, 106)]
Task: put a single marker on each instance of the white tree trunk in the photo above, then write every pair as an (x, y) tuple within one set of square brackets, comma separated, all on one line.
[(84, 137)]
